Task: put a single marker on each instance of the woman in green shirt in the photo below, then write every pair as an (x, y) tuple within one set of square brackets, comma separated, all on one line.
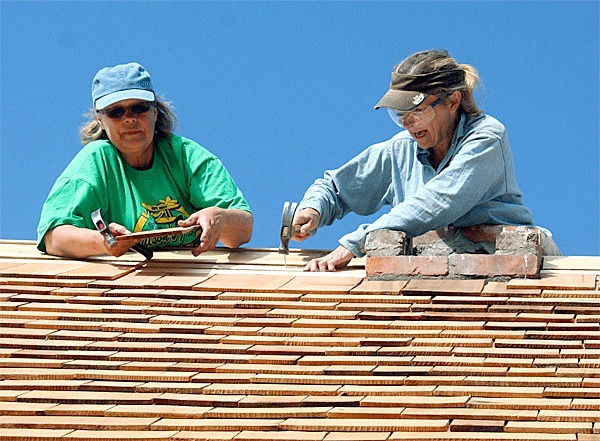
[(142, 176)]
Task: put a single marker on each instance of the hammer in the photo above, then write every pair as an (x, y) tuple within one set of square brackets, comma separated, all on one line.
[(287, 229), (102, 227)]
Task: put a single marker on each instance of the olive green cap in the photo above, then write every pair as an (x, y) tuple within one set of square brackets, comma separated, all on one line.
[(408, 91)]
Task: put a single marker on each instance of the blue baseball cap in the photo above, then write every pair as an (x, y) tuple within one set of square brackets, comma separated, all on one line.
[(121, 82)]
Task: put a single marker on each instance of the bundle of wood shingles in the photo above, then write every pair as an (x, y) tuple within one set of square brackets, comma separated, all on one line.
[(186, 350)]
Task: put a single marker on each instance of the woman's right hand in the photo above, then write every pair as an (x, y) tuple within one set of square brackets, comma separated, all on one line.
[(80, 243), (305, 221), (122, 246)]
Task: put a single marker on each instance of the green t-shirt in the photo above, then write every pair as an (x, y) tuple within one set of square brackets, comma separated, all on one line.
[(184, 178)]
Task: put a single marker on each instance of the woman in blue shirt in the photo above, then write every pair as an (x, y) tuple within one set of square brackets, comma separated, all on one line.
[(452, 164)]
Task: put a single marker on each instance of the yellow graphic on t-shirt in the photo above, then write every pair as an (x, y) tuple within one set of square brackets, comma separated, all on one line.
[(164, 214)]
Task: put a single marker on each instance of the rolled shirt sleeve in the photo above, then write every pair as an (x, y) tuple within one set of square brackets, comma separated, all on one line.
[(361, 186)]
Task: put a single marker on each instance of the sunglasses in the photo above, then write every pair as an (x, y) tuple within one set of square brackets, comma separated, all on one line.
[(117, 112)]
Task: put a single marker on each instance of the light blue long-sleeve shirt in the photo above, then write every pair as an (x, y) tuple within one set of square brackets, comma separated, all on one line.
[(474, 184)]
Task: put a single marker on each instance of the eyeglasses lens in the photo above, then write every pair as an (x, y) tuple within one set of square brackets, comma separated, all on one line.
[(409, 119), (118, 111), (416, 117)]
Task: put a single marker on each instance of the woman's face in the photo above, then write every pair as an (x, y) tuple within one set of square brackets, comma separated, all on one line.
[(131, 128), (439, 131)]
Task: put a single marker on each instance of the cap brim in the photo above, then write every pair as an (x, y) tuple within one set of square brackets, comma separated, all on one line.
[(130, 94), (401, 100)]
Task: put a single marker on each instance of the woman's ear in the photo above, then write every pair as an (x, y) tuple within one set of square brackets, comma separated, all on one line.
[(99, 123), (454, 100)]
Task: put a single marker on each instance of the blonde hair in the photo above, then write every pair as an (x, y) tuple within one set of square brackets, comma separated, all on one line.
[(440, 60), (166, 122)]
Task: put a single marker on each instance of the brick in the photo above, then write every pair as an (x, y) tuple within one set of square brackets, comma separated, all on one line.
[(482, 232), (387, 267), (449, 240), (519, 240), (387, 243), (494, 265)]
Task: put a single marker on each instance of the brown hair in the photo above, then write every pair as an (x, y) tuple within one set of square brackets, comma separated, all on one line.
[(440, 60), (166, 122)]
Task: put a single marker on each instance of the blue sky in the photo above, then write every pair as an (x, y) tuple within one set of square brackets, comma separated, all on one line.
[(282, 91)]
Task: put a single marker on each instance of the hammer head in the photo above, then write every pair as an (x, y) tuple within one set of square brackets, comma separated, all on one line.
[(287, 230), (102, 227)]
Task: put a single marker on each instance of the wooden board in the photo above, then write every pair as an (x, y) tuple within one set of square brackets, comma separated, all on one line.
[(133, 237)]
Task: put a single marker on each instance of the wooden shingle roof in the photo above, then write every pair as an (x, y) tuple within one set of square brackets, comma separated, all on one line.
[(232, 345)]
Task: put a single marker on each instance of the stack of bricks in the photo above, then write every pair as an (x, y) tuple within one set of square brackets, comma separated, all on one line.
[(481, 251)]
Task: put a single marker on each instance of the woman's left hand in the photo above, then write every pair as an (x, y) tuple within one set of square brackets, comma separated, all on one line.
[(231, 226), (337, 259), (211, 221)]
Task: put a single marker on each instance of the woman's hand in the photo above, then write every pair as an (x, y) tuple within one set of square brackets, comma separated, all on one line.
[(232, 227), (337, 259), (305, 221), (122, 246)]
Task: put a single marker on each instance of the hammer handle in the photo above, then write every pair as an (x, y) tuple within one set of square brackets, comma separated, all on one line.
[(143, 250)]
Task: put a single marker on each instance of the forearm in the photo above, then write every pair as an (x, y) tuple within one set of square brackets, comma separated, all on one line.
[(237, 227), (74, 242), (362, 186), (321, 197)]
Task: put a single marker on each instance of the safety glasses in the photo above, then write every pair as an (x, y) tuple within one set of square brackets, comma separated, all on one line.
[(117, 112), (414, 118)]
